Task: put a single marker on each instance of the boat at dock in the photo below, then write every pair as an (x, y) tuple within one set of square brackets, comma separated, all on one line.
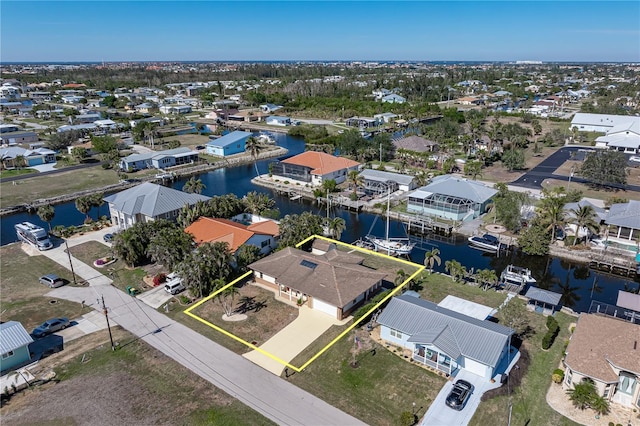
[(486, 242), (392, 246), (266, 138), (517, 275)]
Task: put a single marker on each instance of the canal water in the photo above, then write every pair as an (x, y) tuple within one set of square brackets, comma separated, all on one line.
[(577, 282)]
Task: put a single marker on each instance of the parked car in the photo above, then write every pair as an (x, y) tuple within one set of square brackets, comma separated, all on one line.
[(108, 237), (50, 326), (634, 161), (199, 147), (174, 284), (51, 280), (459, 395)]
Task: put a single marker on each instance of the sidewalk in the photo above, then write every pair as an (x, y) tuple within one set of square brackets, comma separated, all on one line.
[(270, 395)]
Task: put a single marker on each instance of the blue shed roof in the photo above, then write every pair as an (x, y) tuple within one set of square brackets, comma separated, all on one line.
[(230, 138)]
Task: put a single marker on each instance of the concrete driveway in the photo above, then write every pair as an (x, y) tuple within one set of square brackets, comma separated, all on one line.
[(155, 297), (292, 339), (86, 324)]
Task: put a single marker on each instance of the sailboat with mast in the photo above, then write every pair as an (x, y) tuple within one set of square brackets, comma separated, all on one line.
[(392, 246)]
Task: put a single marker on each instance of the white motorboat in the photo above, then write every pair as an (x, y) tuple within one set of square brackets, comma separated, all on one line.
[(392, 246), (486, 242), (266, 139), (517, 275)]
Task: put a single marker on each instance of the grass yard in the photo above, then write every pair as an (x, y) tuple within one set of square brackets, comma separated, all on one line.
[(529, 398), (378, 391), (436, 287), (22, 297), (123, 275), (16, 172), (381, 263), (265, 315), (39, 187), (134, 385)]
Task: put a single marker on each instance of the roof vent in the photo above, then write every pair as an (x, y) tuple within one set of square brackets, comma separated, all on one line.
[(635, 345)]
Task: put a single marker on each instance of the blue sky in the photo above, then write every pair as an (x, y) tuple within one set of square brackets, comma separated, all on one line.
[(319, 30)]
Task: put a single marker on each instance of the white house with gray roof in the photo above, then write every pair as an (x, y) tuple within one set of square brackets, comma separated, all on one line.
[(623, 224), (148, 202), (379, 182), (444, 339), (451, 197), (159, 159)]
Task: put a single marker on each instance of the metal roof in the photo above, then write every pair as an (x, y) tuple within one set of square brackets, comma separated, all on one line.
[(599, 211), (626, 215), (229, 139), (176, 152), (482, 341), (457, 187), (544, 296), (380, 176), (151, 200), (13, 336)]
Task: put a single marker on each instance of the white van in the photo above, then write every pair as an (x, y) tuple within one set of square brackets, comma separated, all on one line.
[(174, 284)]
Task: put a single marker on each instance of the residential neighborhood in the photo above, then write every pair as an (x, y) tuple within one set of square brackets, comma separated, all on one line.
[(321, 242)]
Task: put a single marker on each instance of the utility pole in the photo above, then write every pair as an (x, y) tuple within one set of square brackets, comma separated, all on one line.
[(70, 263), (106, 316), (380, 152)]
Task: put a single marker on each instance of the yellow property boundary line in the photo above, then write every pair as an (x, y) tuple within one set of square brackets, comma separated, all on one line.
[(421, 268)]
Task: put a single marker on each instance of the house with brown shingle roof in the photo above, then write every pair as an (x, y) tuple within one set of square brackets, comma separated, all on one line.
[(607, 351), (313, 168), (335, 282), (263, 235)]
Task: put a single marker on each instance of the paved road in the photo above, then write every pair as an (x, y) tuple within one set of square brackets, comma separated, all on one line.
[(273, 397), (545, 170)]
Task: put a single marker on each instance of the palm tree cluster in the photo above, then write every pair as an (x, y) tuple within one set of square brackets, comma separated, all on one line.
[(456, 270), (295, 228), (584, 395), (194, 186), (221, 206), (86, 203), (257, 203)]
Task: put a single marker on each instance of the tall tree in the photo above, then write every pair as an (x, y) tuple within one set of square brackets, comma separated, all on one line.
[(605, 167), (336, 226), (356, 180), (584, 217), (201, 267), (46, 213), (295, 228), (257, 203), (552, 213), (83, 205), (169, 246), (431, 258)]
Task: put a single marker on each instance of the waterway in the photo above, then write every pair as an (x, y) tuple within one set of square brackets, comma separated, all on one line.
[(577, 282)]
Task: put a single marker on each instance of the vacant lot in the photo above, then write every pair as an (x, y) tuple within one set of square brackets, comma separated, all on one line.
[(134, 385), (265, 315), (436, 287), (22, 297)]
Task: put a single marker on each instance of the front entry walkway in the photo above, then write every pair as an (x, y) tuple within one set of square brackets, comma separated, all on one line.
[(293, 339)]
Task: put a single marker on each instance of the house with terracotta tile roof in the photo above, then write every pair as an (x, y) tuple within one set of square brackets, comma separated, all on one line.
[(607, 351), (263, 235), (313, 168), (333, 282)]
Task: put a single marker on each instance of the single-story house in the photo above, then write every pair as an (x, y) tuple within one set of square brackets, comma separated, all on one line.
[(394, 99), (624, 137), (276, 120), (85, 128), (623, 223), (33, 157), (607, 351), (451, 197), (18, 137), (263, 235), (229, 144), (379, 182), (469, 100), (14, 346), (385, 117), (72, 99), (147, 202), (415, 144), (600, 215), (363, 122), (444, 339), (314, 167), (335, 283), (175, 109), (270, 108), (86, 118), (159, 159), (9, 128), (106, 124), (543, 301), (586, 122)]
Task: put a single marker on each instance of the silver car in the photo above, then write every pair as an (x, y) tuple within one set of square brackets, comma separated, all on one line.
[(50, 326), (51, 280)]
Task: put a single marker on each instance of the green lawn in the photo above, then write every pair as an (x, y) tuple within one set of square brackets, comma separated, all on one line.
[(529, 399), (377, 392), (22, 297), (16, 172), (437, 286)]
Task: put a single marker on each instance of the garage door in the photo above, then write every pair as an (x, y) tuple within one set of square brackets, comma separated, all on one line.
[(321, 306), (475, 367)]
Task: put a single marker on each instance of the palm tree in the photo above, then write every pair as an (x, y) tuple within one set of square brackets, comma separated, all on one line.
[(226, 297), (20, 161), (455, 269), (336, 226), (584, 218), (582, 394), (46, 213), (432, 257), (356, 180), (257, 203), (401, 276), (252, 146), (83, 204), (97, 200), (553, 214), (194, 186), (486, 278)]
